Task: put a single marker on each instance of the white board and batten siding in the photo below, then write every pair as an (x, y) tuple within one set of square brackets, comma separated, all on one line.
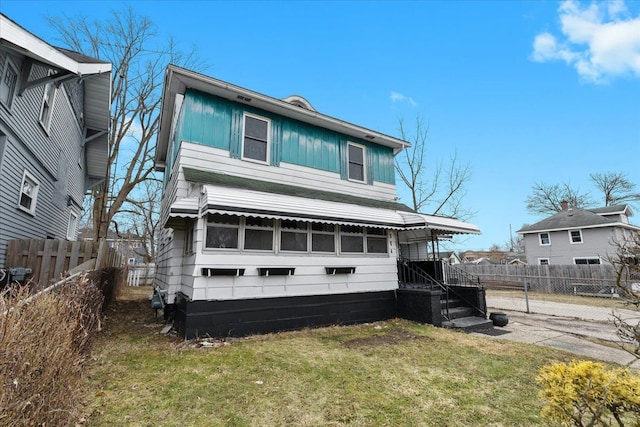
[(211, 159)]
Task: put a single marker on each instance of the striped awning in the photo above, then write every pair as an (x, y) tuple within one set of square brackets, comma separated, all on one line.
[(241, 202)]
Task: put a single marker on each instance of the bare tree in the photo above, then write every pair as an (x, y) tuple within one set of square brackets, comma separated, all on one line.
[(138, 58), (547, 199), (626, 262), (615, 187), (441, 193)]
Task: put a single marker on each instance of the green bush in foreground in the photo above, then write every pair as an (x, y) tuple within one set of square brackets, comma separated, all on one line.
[(583, 393), (44, 343)]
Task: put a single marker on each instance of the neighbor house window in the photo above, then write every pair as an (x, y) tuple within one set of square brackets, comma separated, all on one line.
[(8, 83), (46, 110), (543, 261), (376, 241), (258, 234), (28, 193), (575, 236), (71, 227), (586, 261), (222, 231), (545, 239), (356, 162), (293, 236), (255, 140), (323, 237)]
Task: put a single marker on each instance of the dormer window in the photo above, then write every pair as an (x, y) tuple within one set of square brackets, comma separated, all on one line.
[(356, 162), (255, 138)]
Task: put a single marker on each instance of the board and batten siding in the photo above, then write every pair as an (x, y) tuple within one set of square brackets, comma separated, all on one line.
[(596, 242), (216, 160), (53, 158), (215, 122)]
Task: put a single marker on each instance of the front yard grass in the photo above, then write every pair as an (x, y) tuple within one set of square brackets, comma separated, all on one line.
[(392, 373)]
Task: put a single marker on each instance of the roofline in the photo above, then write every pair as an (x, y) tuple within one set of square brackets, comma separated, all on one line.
[(14, 37), (178, 79), (612, 224)]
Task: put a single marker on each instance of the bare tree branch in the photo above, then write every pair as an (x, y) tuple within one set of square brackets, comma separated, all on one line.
[(615, 188)]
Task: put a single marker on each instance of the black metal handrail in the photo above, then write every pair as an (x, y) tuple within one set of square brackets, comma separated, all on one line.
[(412, 276)]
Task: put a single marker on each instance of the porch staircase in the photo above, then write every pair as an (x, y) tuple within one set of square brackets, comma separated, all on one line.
[(457, 310)]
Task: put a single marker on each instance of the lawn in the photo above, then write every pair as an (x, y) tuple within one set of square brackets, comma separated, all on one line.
[(392, 373)]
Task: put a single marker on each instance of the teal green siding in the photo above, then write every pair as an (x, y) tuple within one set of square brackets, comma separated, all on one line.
[(216, 122)]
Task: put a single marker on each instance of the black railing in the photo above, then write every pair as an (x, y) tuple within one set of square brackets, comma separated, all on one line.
[(411, 276)]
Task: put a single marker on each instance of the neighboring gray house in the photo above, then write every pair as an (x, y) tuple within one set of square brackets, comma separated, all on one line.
[(54, 121), (577, 236), (275, 215)]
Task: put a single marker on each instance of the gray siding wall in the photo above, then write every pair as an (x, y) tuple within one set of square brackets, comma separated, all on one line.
[(54, 158), (596, 242)]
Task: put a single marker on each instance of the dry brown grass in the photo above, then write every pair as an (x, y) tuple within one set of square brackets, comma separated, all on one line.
[(44, 344)]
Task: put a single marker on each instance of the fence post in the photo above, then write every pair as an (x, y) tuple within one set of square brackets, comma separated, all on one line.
[(526, 294)]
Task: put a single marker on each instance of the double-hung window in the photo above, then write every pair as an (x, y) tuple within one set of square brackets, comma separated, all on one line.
[(72, 226), (46, 110), (255, 139), (8, 83), (28, 193), (222, 231), (356, 162), (258, 234), (586, 261), (575, 236), (293, 236), (323, 237), (545, 239)]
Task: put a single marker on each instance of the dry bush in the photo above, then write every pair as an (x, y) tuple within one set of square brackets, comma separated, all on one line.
[(44, 342)]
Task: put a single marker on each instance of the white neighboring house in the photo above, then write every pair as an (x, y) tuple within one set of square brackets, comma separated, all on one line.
[(54, 122), (276, 216), (577, 236)]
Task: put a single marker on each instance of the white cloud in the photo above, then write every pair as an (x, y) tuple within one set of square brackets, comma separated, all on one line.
[(398, 97), (600, 40)]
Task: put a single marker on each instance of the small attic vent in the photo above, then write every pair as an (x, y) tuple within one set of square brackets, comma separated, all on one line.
[(244, 98), (371, 137)]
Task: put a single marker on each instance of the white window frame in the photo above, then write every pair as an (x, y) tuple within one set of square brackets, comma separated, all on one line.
[(376, 236), (239, 234), (543, 261), (304, 231), (48, 100), (268, 141), (364, 162), (11, 90), (588, 258), (244, 227), (72, 227), (571, 237), (548, 238), (326, 233), (28, 177)]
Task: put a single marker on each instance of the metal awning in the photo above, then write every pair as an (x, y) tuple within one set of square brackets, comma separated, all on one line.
[(240, 202)]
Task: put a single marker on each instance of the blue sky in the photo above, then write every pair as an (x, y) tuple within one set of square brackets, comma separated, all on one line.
[(525, 92)]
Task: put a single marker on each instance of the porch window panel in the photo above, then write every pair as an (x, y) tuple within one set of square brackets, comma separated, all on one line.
[(376, 245), (323, 243), (351, 244), (258, 239), (222, 237), (294, 236)]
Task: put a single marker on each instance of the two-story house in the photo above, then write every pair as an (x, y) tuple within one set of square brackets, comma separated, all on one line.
[(54, 121), (276, 216), (577, 236)]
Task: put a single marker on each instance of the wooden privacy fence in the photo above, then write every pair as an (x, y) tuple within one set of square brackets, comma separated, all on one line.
[(53, 258), (545, 278)]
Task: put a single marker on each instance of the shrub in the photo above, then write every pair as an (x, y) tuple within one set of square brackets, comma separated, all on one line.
[(583, 393), (44, 341)]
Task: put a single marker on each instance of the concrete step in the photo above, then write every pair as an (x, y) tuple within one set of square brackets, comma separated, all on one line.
[(457, 312), (468, 324)]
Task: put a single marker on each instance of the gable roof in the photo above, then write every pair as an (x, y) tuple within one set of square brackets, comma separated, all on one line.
[(178, 80), (578, 218)]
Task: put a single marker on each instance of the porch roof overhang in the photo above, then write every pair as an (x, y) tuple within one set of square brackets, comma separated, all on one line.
[(234, 201)]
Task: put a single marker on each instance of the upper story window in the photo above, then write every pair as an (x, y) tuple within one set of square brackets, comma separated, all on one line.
[(8, 83), (356, 162), (28, 193), (46, 110), (575, 236), (255, 138), (545, 239)]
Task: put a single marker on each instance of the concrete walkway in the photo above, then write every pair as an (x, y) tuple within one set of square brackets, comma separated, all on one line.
[(568, 327)]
